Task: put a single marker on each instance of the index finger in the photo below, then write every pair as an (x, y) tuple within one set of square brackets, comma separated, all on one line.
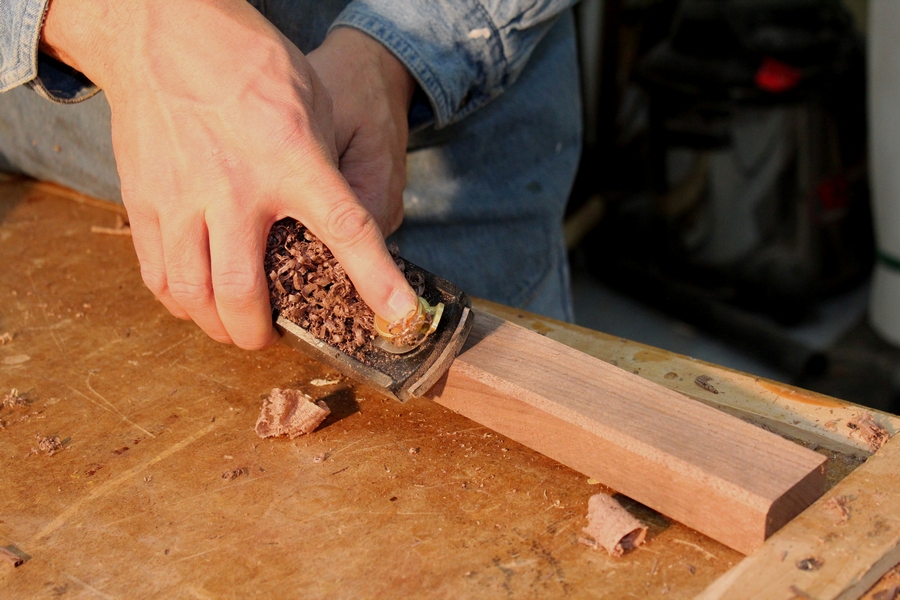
[(337, 217)]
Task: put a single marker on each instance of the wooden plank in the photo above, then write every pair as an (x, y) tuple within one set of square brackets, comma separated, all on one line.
[(794, 412), (725, 478), (827, 553)]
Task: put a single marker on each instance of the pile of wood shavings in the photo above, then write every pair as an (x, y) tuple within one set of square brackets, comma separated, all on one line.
[(310, 288)]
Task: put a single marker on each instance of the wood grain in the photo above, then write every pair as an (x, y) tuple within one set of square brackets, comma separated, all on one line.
[(471, 514), (791, 411), (824, 553), (725, 478)]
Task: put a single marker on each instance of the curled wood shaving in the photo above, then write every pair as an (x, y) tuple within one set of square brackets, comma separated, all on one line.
[(704, 382), (291, 413), (871, 432), (6, 338), (612, 527), (11, 557)]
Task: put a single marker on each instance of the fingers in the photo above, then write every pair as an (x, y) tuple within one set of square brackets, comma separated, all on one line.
[(237, 248), (187, 258), (148, 247), (354, 237)]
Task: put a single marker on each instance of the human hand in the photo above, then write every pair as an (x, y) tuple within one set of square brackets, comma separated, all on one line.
[(371, 91), (220, 128)]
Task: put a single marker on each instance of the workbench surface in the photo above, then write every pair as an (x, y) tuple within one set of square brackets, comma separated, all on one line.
[(162, 488)]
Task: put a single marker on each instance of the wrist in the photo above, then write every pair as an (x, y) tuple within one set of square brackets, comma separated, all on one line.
[(79, 33), (400, 83)]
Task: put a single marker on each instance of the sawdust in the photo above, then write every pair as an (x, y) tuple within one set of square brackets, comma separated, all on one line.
[(291, 413), (872, 433), (612, 527)]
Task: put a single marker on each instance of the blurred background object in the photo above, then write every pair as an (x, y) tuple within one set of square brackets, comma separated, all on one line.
[(884, 89), (722, 208)]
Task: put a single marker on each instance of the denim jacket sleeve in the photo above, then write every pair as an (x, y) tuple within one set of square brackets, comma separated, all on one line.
[(21, 63), (463, 53)]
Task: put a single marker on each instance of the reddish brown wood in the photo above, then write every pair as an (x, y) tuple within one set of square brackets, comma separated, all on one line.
[(728, 479)]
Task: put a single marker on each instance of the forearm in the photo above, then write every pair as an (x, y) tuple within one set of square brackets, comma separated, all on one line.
[(80, 33)]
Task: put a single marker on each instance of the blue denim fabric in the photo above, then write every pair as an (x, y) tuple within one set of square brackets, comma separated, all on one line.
[(463, 53), (20, 30), (20, 62), (485, 194)]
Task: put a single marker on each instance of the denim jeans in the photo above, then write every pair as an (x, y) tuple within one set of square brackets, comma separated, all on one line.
[(487, 186)]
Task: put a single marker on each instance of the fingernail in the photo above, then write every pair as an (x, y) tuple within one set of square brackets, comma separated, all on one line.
[(400, 304)]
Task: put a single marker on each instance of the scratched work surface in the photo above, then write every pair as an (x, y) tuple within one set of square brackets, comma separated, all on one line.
[(384, 499)]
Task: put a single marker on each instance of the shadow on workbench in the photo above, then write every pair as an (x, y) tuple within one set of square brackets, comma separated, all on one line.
[(12, 200)]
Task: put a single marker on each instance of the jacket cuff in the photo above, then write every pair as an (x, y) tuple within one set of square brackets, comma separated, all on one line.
[(20, 33), (452, 49), (22, 63)]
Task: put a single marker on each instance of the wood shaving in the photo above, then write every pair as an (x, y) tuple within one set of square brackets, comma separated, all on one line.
[(871, 432), (11, 557), (50, 445), (612, 527), (840, 507), (6, 338), (325, 382), (123, 227), (704, 382), (232, 474), (13, 399), (291, 413)]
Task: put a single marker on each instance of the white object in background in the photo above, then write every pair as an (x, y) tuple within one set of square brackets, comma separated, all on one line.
[(884, 157)]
